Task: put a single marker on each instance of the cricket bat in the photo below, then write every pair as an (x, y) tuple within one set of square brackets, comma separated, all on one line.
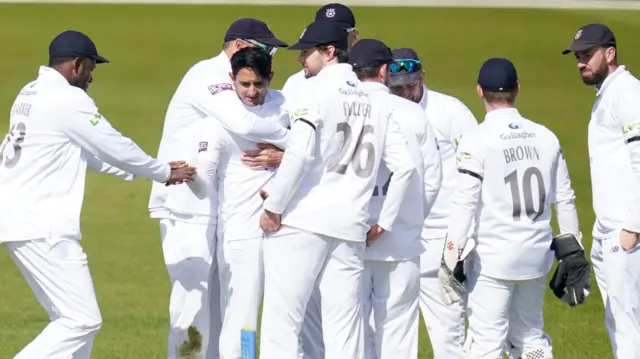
[(248, 343)]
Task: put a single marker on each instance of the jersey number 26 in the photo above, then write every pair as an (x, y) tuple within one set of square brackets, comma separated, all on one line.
[(362, 168)]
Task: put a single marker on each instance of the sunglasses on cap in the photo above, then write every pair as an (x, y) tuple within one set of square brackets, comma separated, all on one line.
[(408, 65), (271, 50)]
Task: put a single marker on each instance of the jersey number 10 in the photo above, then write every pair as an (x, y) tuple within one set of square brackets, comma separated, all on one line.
[(512, 180)]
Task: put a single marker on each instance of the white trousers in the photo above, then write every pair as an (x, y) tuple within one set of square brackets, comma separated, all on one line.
[(295, 261), (311, 342), (506, 315), (188, 250), (390, 293), (241, 285), (445, 324), (618, 276), (58, 273)]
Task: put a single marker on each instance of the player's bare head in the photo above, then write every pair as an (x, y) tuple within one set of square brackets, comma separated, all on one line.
[(74, 56), (498, 83), (321, 44), (251, 74), (248, 32), (406, 74), (342, 15), (594, 47), (370, 60)]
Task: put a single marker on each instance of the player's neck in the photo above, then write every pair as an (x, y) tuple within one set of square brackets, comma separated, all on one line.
[(497, 106)]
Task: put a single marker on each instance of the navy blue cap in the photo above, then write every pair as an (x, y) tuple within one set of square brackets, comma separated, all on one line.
[(252, 29), (322, 33), (338, 13), (498, 75), (370, 53), (405, 53), (74, 44), (589, 36)]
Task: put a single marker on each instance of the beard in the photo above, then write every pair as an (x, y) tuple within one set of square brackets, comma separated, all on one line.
[(596, 77)]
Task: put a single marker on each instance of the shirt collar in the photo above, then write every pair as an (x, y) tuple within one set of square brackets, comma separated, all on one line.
[(374, 86), (52, 76), (611, 78), (223, 59), (501, 112), (337, 70), (423, 100)]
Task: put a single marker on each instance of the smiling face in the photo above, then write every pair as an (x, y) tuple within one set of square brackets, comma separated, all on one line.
[(594, 64), (251, 87)]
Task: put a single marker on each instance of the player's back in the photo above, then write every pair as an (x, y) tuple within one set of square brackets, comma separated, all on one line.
[(520, 161), (42, 171), (334, 195)]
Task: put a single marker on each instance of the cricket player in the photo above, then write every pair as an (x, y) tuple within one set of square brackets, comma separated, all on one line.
[(392, 262), (311, 335), (56, 132), (187, 227), (320, 196), (511, 170), (450, 118), (219, 157), (614, 155)]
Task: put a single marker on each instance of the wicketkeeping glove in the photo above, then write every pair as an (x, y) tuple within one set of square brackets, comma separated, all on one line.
[(451, 274), (573, 272)]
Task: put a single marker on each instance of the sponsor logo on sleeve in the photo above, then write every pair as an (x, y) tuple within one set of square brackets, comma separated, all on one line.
[(95, 119), (217, 88)]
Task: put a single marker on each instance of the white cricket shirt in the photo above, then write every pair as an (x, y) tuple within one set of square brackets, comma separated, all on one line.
[(614, 153), (450, 118), (231, 188), (404, 242), (511, 171), (55, 131), (327, 175), (206, 93), (294, 84)]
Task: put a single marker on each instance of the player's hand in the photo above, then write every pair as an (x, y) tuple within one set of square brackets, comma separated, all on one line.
[(628, 239), (266, 156), (181, 172), (451, 274), (373, 234), (270, 222), (571, 280)]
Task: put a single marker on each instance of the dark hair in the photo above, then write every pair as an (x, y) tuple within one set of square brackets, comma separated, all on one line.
[(253, 58), (367, 72), (56, 61), (340, 54)]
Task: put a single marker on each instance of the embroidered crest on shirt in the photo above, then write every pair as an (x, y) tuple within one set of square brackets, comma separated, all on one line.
[(217, 88), (203, 146)]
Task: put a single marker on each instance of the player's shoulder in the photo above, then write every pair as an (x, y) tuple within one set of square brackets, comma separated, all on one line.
[(446, 101), (276, 97), (406, 106)]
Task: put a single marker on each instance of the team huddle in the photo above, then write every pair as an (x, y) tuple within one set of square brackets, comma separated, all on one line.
[(344, 204)]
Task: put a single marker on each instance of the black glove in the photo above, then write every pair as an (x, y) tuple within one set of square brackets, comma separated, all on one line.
[(573, 272)]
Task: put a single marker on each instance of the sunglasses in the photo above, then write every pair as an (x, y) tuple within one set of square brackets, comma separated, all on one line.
[(271, 50), (408, 65)]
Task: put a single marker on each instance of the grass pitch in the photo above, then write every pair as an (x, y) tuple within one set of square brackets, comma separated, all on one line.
[(151, 47)]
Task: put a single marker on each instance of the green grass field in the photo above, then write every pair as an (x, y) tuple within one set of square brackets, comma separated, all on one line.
[(151, 47)]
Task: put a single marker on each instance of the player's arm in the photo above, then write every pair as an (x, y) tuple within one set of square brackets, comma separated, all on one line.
[(220, 101), (297, 159), (93, 132), (397, 156), (209, 149), (629, 118), (564, 199), (432, 167), (98, 165)]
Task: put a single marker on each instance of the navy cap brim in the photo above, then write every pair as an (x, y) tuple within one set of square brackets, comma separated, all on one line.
[(580, 47), (99, 59), (404, 78), (302, 46), (273, 41)]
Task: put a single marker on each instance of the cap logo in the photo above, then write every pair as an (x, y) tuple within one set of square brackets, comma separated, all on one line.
[(331, 12), (578, 34)]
